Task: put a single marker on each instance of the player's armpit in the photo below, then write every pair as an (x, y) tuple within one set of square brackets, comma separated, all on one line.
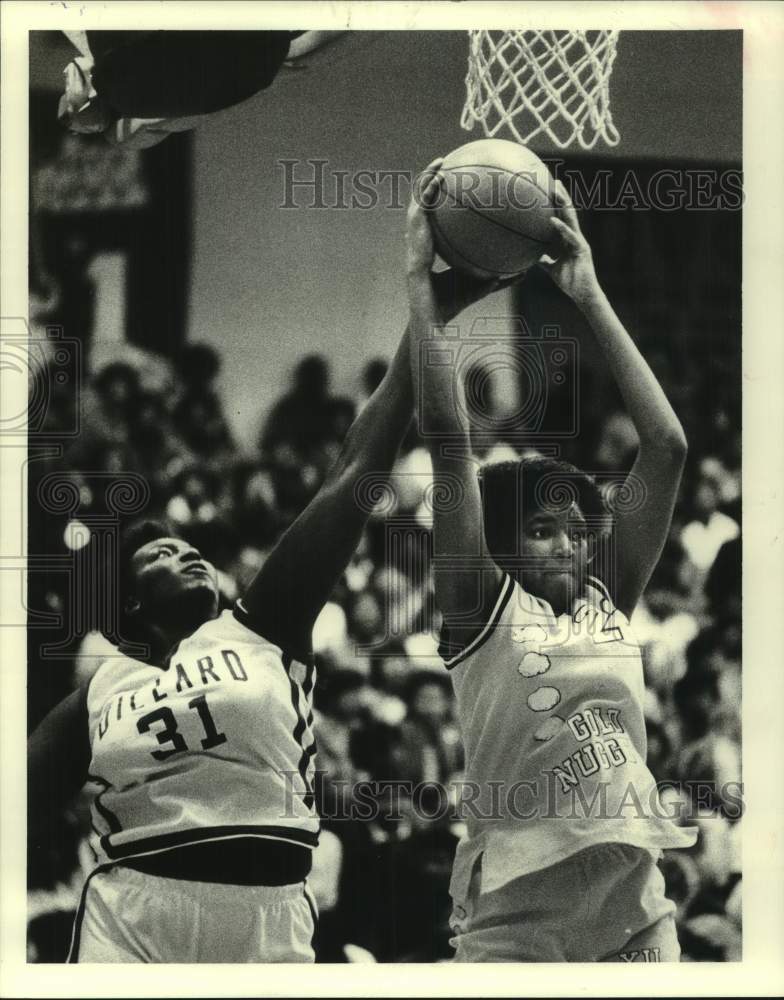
[(459, 638), (276, 625)]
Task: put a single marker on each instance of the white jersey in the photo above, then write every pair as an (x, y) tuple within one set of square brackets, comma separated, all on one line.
[(551, 713), (218, 744)]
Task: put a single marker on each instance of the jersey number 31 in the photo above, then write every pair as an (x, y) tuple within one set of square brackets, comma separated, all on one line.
[(170, 733)]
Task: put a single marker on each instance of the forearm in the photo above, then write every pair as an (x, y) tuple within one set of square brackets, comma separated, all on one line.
[(654, 419), (373, 440), (301, 572), (439, 394)]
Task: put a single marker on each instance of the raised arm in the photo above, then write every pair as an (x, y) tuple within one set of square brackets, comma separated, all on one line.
[(297, 579), (640, 533), (467, 579)]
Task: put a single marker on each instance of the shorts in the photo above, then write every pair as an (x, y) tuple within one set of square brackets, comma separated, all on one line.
[(603, 904), (127, 916)]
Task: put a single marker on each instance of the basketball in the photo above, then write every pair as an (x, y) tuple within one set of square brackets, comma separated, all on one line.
[(493, 217)]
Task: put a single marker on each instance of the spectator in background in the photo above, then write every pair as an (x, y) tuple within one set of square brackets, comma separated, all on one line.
[(253, 504), (682, 880), (198, 366), (366, 618), (117, 387), (300, 418), (411, 478), (427, 747), (710, 528), (204, 430), (198, 414), (194, 499), (664, 622), (723, 586), (302, 433), (659, 749), (54, 887), (696, 693), (157, 449), (105, 443), (108, 414), (422, 873), (359, 569), (390, 672), (402, 595), (708, 707), (726, 477), (197, 511), (340, 712)]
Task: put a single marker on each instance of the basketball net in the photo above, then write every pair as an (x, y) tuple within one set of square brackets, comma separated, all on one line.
[(542, 82)]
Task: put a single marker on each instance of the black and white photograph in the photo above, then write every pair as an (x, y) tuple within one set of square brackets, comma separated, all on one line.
[(390, 476)]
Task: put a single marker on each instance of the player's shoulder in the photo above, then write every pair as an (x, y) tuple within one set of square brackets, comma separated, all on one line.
[(272, 633), (516, 614), (231, 625), (511, 609), (115, 670), (597, 591), (237, 626), (598, 595)]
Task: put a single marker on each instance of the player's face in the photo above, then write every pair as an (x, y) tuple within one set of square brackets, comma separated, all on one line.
[(170, 577), (555, 556)]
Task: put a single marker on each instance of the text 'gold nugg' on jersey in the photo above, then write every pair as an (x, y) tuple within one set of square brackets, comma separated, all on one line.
[(551, 713)]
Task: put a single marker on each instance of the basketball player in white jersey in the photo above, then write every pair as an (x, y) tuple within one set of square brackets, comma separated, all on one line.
[(564, 826), (203, 751)]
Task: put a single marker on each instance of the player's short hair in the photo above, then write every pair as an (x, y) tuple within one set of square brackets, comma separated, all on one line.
[(513, 490)]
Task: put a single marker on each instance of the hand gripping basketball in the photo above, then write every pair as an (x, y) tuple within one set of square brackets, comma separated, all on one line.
[(420, 248), (454, 290), (571, 263)]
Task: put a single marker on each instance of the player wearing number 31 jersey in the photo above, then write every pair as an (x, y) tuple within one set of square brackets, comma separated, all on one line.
[(201, 748), (167, 744), (203, 769)]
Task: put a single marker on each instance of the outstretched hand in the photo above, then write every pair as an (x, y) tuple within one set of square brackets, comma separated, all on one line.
[(454, 290), (420, 248), (573, 269)]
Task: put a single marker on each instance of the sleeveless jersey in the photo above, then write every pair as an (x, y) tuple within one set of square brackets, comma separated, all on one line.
[(551, 715), (219, 744)]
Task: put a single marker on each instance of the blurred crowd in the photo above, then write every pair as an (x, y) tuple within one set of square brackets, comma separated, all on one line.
[(384, 703)]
